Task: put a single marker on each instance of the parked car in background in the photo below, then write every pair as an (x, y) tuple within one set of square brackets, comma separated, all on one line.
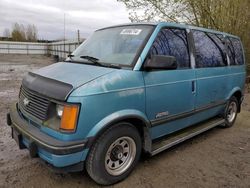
[(129, 89)]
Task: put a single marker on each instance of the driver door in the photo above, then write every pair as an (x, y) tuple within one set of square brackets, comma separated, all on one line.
[(170, 94)]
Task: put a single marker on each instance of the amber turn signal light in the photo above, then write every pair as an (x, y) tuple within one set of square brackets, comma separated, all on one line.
[(69, 118)]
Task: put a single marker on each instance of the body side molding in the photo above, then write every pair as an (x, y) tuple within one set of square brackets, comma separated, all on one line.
[(160, 121)]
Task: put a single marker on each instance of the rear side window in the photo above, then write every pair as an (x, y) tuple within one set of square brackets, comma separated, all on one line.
[(210, 50), (172, 42), (235, 51)]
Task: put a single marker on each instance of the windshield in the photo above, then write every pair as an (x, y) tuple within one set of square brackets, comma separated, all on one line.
[(117, 46)]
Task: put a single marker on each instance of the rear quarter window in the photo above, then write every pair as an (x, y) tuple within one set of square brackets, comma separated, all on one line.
[(235, 51)]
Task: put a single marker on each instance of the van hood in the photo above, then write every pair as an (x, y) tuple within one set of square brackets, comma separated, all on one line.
[(58, 80)]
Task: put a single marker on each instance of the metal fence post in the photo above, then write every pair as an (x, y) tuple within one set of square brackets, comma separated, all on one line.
[(27, 46)]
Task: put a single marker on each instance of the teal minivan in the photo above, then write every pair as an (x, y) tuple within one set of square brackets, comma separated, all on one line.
[(129, 89)]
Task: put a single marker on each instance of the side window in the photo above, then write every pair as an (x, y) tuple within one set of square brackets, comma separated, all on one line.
[(210, 50), (172, 42), (235, 51)]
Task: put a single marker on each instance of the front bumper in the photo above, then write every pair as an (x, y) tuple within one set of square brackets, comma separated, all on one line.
[(57, 152)]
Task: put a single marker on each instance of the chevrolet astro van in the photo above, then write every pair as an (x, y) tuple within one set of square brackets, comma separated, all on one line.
[(129, 89)]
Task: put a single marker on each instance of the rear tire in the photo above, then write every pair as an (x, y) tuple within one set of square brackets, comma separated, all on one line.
[(115, 154), (231, 112)]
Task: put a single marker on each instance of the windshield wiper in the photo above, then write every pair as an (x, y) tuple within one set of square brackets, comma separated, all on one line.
[(90, 58), (96, 62), (111, 66)]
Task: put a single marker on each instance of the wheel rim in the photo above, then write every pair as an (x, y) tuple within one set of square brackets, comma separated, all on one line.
[(120, 156), (231, 112)]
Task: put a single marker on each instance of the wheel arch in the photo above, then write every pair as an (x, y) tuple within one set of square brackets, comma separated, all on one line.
[(134, 117), (236, 92)]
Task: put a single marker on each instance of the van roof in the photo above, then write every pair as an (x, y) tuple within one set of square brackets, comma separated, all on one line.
[(172, 24)]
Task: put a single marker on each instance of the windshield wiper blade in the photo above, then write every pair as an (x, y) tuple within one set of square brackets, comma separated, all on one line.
[(90, 58), (95, 61), (111, 66)]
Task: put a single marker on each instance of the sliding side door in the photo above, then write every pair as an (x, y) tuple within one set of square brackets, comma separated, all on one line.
[(212, 74)]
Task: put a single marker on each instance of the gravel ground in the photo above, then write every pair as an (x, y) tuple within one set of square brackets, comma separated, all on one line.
[(217, 158)]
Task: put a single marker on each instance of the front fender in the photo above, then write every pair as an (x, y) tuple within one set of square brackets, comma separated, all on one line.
[(118, 116)]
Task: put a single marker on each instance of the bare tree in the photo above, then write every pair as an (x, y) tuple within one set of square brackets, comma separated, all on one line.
[(31, 33), (22, 33), (151, 10), (6, 33), (18, 32)]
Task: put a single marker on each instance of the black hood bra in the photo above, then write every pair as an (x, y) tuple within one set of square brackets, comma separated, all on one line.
[(47, 87)]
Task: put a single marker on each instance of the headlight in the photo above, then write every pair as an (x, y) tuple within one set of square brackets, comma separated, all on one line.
[(64, 118), (59, 110)]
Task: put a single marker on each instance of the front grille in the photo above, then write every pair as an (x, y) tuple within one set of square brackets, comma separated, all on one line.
[(33, 103)]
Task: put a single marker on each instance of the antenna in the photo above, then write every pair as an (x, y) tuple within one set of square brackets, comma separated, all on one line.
[(78, 36), (64, 37)]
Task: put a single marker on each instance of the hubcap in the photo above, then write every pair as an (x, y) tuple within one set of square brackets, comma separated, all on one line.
[(231, 112), (120, 156)]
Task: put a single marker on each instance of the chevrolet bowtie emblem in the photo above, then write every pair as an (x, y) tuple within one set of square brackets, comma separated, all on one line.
[(26, 102)]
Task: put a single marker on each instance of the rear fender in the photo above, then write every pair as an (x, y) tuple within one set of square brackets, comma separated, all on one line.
[(233, 91)]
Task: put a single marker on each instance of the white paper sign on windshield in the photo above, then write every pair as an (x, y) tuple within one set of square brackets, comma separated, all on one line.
[(130, 32)]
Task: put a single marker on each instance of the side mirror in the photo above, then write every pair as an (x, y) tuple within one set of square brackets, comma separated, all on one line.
[(162, 62)]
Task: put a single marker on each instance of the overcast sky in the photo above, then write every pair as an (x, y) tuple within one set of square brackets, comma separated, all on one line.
[(48, 16)]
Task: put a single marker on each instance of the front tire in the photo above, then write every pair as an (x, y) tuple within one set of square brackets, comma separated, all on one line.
[(114, 155), (231, 111)]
